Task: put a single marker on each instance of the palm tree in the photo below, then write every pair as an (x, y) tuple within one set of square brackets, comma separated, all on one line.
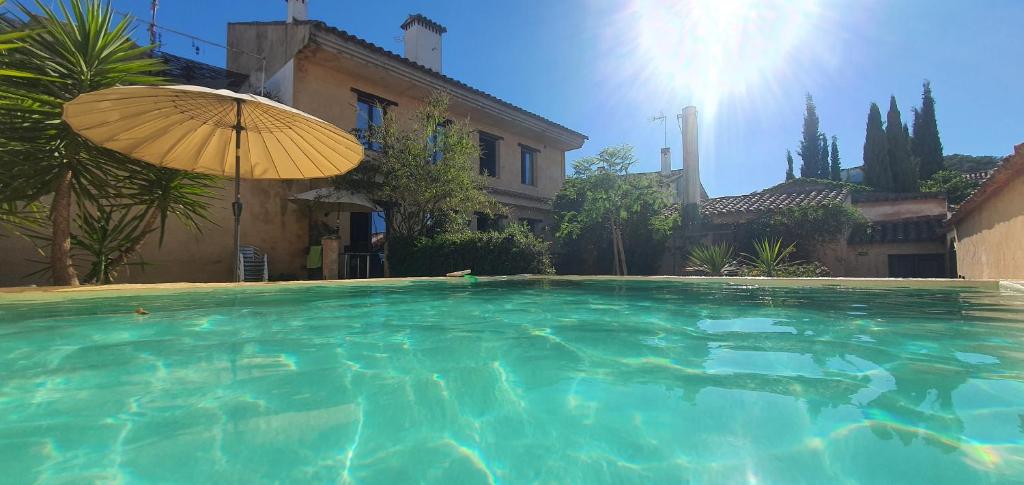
[(79, 50)]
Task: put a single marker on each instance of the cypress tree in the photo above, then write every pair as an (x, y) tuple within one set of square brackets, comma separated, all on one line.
[(876, 154), (789, 166), (925, 144), (835, 172), (904, 175), (810, 145), (823, 170)]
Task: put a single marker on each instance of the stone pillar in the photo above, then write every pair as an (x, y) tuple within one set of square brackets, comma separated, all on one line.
[(332, 247)]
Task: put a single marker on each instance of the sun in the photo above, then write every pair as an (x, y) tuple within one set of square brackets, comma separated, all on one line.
[(712, 50)]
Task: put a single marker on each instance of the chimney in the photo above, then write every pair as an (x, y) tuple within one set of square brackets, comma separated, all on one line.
[(423, 41), (666, 161), (297, 10), (691, 158)]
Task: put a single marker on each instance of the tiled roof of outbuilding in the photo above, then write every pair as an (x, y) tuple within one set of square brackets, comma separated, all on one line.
[(187, 71), (917, 229), (772, 200), (979, 176)]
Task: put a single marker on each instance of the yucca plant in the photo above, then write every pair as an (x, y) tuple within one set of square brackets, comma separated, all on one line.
[(76, 49), (770, 257), (103, 234), (713, 259)]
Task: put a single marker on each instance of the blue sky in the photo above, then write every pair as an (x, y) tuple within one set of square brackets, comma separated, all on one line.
[(604, 67)]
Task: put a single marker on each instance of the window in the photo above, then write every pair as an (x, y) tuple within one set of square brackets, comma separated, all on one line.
[(917, 265), (532, 224), (436, 140), (528, 165), (488, 154), (370, 111), (486, 223)]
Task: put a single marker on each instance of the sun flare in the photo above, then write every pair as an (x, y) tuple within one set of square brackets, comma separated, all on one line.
[(713, 50)]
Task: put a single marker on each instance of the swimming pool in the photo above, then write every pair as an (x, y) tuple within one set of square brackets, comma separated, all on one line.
[(516, 381)]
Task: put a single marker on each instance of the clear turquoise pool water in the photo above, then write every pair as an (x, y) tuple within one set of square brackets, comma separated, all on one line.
[(521, 381)]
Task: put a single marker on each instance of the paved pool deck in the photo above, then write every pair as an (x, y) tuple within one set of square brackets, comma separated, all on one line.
[(990, 285)]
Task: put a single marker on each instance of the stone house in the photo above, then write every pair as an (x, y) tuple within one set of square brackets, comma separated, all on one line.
[(986, 231), (345, 80), (903, 237)]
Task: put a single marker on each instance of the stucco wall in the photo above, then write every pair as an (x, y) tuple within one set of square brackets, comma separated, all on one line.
[(869, 260), (269, 221), (990, 239), (323, 87)]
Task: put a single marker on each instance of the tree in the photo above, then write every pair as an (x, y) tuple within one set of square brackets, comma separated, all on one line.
[(424, 174), (904, 173), (925, 143), (77, 51), (119, 201), (601, 197), (835, 171), (789, 166), (952, 183), (877, 173), (810, 145), (824, 172)]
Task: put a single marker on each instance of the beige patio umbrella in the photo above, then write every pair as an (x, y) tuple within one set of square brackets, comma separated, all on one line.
[(200, 130)]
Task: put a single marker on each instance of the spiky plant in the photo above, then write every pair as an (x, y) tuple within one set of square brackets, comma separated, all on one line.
[(76, 49), (770, 257), (713, 259)]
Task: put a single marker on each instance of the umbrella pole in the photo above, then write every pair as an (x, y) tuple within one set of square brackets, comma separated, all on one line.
[(236, 206)]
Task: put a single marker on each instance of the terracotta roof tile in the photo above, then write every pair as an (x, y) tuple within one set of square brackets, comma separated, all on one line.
[(771, 200), (188, 71), (979, 176), (382, 51)]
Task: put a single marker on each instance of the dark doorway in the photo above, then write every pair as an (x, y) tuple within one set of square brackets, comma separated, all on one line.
[(359, 232), (917, 265)]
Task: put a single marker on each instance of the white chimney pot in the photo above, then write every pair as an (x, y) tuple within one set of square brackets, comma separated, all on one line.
[(297, 10), (423, 41), (666, 161)]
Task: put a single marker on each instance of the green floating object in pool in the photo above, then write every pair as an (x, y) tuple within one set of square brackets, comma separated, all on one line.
[(470, 278)]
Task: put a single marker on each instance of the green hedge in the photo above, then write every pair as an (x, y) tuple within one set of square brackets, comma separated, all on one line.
[(513, 250)]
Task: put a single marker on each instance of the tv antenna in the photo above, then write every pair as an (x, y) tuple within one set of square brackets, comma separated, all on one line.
[(664, 124)]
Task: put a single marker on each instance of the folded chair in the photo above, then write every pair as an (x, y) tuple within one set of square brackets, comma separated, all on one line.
[(253, 264)]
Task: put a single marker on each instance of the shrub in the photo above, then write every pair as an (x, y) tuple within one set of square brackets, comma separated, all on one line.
[(812, 269), (514, 250), (956, 187), (769, 257), (713, 259), (806, 226)]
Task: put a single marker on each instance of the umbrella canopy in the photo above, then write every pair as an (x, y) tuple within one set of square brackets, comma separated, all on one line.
[(341, 200), (193, 128), (216, 132)]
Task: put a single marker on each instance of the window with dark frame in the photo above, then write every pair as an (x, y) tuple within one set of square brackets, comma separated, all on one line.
[(370, 112), (488, 154), (532, 224), (485, 223), (528, 165), (436, 139)]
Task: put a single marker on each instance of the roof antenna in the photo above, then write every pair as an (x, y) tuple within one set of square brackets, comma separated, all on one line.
[(664, 124), (153, 39)]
